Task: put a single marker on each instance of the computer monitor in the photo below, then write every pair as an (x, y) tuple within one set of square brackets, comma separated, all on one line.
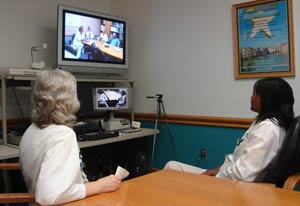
[(109, 99)]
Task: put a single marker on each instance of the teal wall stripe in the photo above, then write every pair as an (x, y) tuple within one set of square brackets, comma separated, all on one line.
[(188, 141)]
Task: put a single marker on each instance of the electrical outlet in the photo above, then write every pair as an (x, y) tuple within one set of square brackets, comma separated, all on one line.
[(203, 153)]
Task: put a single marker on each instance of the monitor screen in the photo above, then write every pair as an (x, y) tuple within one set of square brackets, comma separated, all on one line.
[(110, 98), (91, 42)]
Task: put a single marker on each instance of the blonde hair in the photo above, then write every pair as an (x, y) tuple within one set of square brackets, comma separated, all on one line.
[(54, 99)]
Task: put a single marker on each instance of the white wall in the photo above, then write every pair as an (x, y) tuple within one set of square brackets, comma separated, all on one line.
[(184, 50), (28, 23)]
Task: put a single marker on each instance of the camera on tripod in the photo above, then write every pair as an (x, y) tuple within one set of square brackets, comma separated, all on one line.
[(161, 114), (157, 96)]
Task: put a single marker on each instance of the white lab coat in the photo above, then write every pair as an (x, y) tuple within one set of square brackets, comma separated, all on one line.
[(252, 155), (51, 164)]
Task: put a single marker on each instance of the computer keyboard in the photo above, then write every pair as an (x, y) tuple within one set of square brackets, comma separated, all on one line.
[(96, 136)]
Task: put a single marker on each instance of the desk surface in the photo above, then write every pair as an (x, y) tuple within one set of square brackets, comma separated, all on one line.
[(124, 136), (7, 152), (174, 188)]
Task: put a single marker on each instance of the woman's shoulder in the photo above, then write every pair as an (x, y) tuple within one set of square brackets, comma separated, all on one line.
[(270, 124), (51, 134), (60, 132), (51, 127), (266, 123), (60, 127), (269, 121)]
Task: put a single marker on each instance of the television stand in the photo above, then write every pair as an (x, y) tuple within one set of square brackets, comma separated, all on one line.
[(112, 124), (24, 78)]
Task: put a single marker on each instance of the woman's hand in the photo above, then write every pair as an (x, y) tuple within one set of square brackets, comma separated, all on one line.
[(109, 183), (211, 172), (106, 184)]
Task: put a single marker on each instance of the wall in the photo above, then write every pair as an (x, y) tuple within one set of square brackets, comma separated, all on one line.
[(184, 50), (188, 141), (30, 23)]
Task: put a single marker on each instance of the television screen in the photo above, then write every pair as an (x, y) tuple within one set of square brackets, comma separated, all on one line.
[(91, 42), (110, 98)]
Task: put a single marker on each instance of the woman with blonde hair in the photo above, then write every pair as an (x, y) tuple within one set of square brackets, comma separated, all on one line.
[(49, 154)]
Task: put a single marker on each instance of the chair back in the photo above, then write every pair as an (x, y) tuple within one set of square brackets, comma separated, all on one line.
[(287, 161), (292, 182), (15, 197)]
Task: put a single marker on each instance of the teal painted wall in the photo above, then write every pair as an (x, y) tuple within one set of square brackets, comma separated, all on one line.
[(188, 141)]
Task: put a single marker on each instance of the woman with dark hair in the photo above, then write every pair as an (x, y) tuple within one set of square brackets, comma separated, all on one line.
[(276, 100), (273, 100)]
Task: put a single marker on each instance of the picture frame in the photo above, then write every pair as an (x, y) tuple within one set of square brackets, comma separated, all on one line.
[(263, 39)]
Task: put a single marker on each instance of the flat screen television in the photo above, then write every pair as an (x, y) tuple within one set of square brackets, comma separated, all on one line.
[(109, 99), (92, 43)]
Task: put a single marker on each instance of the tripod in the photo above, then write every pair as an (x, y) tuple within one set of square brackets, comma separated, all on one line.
[(161, 114)]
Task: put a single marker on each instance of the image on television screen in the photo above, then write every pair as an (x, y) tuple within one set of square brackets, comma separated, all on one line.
[(111, 98), (93, 38)]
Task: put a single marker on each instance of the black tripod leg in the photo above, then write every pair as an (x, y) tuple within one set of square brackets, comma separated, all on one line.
[(169, 130)]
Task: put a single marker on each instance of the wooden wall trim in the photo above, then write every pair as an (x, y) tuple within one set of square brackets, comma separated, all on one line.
[(174, 118), (197, 120), (11, 123)]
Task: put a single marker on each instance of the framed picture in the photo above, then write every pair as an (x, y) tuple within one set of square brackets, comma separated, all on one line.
[(263, 39)]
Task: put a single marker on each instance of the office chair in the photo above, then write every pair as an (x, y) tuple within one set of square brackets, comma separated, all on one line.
[(71, 41), (68, 46), (70, 49), (99, 55), (15, 197), (287, 161), (90, 51), (292, 182)]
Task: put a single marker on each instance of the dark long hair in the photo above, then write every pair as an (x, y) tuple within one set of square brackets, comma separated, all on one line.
[(277, 100)]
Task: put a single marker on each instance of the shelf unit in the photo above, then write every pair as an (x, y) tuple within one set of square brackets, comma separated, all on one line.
[(30, 75)]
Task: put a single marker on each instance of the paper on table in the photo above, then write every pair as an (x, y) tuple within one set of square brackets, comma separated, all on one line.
[(121, 172)]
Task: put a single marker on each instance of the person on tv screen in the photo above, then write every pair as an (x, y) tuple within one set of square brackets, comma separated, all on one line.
[(273, 100), (102, 99), (122, 100), (77, 41), (49, 154), (114, 40), (89, 34), (103, 36)]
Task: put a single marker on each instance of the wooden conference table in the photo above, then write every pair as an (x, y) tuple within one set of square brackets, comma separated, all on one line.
[(174, 188), (111, 50)]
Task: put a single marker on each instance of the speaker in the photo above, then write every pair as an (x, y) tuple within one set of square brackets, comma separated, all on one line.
[(139, 164)]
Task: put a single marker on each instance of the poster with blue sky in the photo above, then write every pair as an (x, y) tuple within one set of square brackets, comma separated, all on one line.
[(263, 37)]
